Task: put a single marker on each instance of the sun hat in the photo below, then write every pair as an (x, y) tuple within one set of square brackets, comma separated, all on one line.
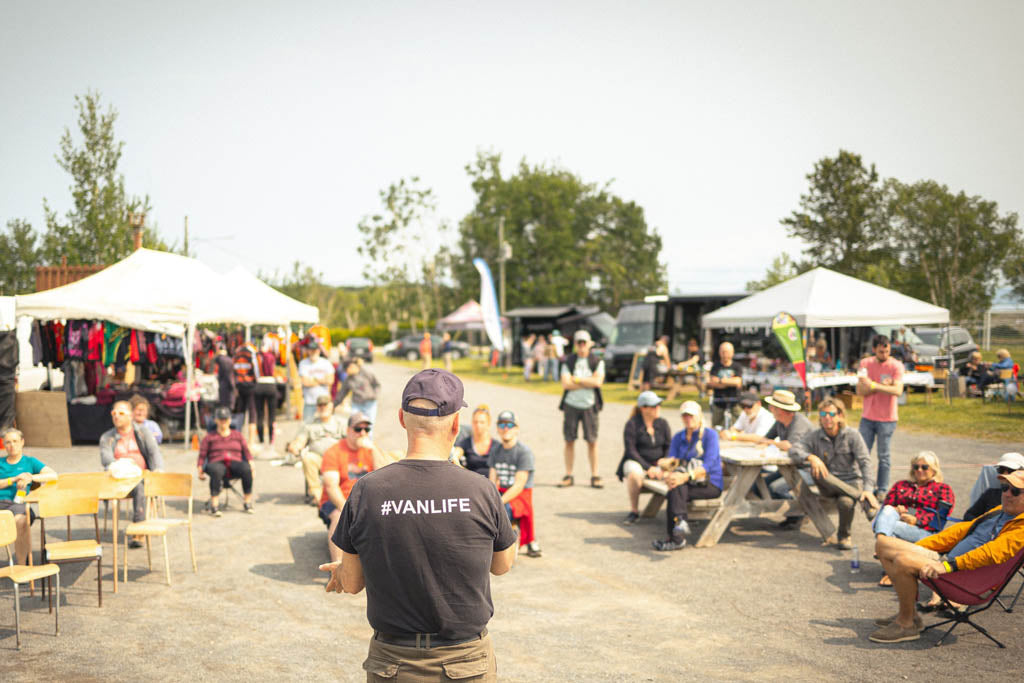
[(784, 400)]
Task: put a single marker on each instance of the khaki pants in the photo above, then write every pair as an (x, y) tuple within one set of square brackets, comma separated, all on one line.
[(469, 661), (311, 469)]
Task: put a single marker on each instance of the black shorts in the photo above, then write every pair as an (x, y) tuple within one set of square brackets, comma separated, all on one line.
[(18, 509), (325, 511), (571, 423)]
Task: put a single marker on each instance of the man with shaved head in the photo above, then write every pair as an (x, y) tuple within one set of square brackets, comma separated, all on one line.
[(421, 536)]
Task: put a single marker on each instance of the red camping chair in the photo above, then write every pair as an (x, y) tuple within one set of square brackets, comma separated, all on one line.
[(977, 589)]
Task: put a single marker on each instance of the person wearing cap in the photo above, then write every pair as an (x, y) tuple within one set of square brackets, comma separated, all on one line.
[(646, 437), (128, 439), (582, 376), (993, 538), (364, 387), (985, 494), (322, 432), (421, 536), (840, 465), (880, 382), (726, 380), (223, 453), (754, 422), (693, 469), (559, 342), (343, 464), (510, 468), (316, 374)]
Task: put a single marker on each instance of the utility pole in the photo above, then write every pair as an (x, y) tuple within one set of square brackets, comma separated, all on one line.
[(186, 236), (501, 262)]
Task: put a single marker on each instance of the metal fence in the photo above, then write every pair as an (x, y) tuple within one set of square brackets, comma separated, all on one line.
[(999, 327)]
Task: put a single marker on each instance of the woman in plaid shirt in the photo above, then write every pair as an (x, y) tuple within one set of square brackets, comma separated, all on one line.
[(909, 509)]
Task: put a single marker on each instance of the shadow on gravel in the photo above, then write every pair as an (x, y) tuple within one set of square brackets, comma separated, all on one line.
[(861, 628), (853, 582), (309, 551)]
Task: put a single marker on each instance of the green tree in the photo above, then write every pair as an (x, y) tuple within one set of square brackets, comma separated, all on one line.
[(954, 249), (572, 242), (782, 268), (95, 230), (18, 244), (842, 216)]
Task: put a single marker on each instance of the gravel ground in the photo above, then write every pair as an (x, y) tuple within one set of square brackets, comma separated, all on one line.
[(600, 605)]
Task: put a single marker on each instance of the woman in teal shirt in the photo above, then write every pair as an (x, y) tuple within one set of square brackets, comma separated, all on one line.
[(17, 473)]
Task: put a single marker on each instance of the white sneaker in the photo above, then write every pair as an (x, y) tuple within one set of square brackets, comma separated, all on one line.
[(682, 527)]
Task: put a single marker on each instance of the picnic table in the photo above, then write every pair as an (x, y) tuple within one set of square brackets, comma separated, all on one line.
[(101, 484), (744, 462)]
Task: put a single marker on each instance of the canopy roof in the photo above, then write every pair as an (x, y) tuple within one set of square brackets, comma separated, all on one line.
[(468, 316), (825, 298), (164, 292)]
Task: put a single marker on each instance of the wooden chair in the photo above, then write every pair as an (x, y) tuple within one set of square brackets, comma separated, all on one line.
[(19, 574), (158, 486), (67, 503)]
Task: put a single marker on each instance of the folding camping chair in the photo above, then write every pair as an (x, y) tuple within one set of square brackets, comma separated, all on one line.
[(977, 589)]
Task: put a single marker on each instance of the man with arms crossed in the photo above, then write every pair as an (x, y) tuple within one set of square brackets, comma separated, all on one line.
[(421, 535), (880, 381), (582, 376)]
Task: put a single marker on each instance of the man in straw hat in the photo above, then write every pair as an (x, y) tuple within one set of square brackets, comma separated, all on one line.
[(790, 426)]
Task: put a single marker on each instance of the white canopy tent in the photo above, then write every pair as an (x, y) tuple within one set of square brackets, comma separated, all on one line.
[(825, 298), (162, 292)]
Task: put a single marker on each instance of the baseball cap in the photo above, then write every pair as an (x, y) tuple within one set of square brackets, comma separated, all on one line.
[(222, 413), (691, 408), (748, 398), (358, 419), (1014, 478), (581, 335), (647, 399), (438, 386), (323, 399), (1015, 461), (507, 416)]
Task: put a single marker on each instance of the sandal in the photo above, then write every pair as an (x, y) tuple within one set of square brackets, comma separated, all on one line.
[(596, 483), (566, 482), (885, 581)]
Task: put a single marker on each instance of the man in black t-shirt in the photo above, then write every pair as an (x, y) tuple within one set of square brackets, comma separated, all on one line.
[(421, 535), (726, 378)]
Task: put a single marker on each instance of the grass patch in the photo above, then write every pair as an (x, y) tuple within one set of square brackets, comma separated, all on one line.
[(965, 417), (1016, 352)]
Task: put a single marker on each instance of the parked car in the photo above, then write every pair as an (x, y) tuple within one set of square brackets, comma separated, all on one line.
[(359, 347), (408, 347), (935, 342)]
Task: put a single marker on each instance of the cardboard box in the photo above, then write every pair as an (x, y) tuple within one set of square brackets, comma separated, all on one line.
[(851, 400)]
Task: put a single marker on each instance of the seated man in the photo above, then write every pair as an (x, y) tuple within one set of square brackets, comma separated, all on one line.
[(986, 494), (316, 437), (17, 474), (225, 451), (839, 464), (343, 464), (510, 467), (128, 439), (975, 374), (992, 539), (753, 424)]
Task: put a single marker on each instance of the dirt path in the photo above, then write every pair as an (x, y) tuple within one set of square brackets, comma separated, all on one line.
[(599, 606)]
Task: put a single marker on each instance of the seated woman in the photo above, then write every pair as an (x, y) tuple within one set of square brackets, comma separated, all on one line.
[(473, 449), (693, 469), (140, 415), (909, 510), (17, 474), (224, 451), (646, 438)]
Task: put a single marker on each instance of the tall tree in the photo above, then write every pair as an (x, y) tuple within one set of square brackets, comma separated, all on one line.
[(95, 230), (782, 268), (842, 216), (954, 248), (21, 256), (572, 242)]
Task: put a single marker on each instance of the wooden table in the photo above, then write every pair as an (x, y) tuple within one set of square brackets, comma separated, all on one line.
[(100, 484), (746, 461)]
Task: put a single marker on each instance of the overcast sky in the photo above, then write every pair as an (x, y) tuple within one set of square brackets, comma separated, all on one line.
[(273, 125)]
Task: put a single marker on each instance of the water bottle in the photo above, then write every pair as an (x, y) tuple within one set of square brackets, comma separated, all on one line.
[(855, 561)]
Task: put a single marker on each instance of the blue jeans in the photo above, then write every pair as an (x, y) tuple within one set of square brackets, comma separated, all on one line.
[(369, 409), (887, 522), (869, 429)]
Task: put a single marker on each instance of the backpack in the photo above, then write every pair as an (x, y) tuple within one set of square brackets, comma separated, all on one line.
[(593, 362), (246, 370)]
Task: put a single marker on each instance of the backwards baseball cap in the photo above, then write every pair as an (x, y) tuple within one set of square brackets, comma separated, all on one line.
[(1014, 461), (222, 413), (358, 418), (581, 335), (507, 416), (440, 387)]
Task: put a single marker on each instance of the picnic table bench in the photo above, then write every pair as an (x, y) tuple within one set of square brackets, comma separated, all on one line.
[(742, 464)]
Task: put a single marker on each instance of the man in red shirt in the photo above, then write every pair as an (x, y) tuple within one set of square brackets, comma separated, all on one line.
[(880, 381), (343, 464)]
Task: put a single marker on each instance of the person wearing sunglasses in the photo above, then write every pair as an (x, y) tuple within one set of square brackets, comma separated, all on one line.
[(128, 439), (582, 376), (647, 436), (911, 509), (840, 465), (994, 538), (985, 494), (510, 467), (343, 464)]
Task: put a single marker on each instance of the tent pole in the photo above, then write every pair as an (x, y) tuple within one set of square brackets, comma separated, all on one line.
[(187, 347)]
